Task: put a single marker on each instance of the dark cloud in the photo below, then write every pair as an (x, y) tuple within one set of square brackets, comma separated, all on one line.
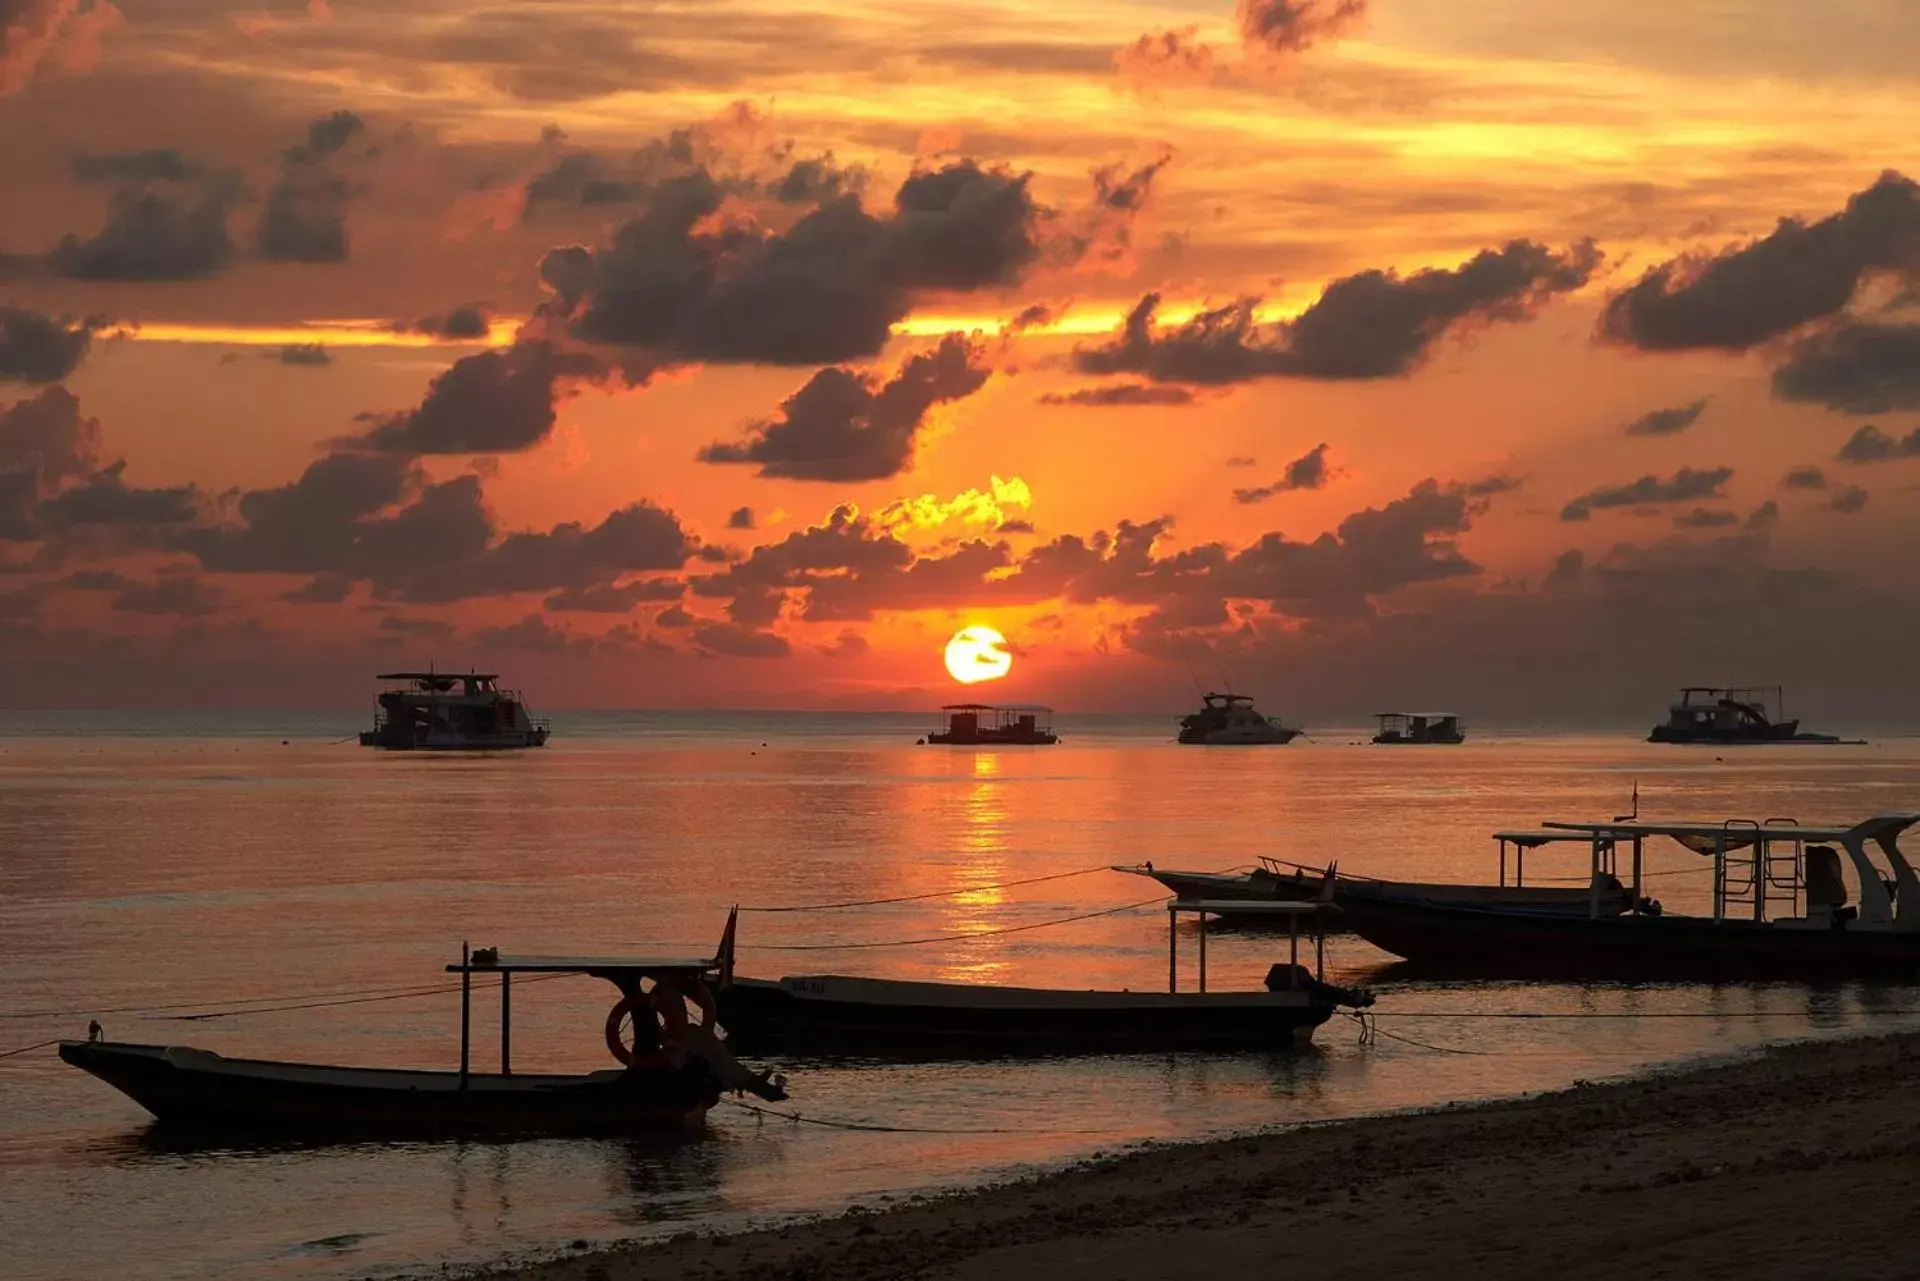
[(679, 284), (847, 426), (1747, 294), (1857, 368), (1567, 568), (305, 219), (732, 640), (17, 493), (1804, 478), (1243, 460), (40, 349), (310, 354), (605, 598), (489, 402), (155, 233), (1376, 324), (1763, 517), (467, 322), (1309, 471), (1685, 485), (740, 518), (431, 628), (105, 499), (1871, 445), (532, 635), (157, 165), (1847, 500), (1115, 394), (817, 180), (1706, 518), (316, 524), (47, 437), (1177, 54), (182, 595), (1667, 422), (1293, 26), (1487, 486)]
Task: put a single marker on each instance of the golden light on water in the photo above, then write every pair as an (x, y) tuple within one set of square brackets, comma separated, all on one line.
[(978, 654)]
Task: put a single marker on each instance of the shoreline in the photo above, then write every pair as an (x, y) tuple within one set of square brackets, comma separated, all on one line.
[(1784, 1162)]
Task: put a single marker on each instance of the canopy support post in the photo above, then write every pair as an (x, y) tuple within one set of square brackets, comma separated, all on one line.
[(1293, 951), (1173, 947), (466, 1009), (506, 1023), (1203, 952)]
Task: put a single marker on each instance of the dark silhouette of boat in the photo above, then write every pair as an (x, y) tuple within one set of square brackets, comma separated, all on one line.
[(1420, 727), (987, 725), (1732, 716), (1226, 720), (427, 713), (834, 1014), (673, 1071), (1755, 867)]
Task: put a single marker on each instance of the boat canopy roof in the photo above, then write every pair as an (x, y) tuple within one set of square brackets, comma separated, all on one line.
[(438, 676), (1425, 716), (1533, 840), (483, 963), (1881, 825), (994, 707)]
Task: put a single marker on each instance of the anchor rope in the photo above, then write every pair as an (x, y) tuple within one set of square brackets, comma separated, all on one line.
[(829, 1123), (37, 1045), (952, 938), (917, 898)]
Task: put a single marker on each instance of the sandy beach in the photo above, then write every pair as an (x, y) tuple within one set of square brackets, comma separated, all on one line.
[(1798, 1162)]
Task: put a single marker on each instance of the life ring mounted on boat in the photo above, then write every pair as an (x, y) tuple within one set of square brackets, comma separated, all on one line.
[(666, 1003)]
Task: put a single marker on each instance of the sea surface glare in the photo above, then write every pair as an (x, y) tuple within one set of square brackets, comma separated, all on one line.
[(197, 862)]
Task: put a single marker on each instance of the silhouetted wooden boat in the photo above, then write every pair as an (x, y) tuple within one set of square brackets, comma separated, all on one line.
[(676, 1072), (1755, 865), (836, 1014), (1278, 880)]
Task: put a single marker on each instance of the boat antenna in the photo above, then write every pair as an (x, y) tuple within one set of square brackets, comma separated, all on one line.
[(1198, 687), (1622, 818)]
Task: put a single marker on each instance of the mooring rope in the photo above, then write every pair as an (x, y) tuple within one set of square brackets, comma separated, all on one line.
[(951, 938), (918, 898), (37, 1045), (828, 1123)]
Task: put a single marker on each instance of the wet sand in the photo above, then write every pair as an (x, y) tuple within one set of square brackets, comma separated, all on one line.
[(1798, 1163)]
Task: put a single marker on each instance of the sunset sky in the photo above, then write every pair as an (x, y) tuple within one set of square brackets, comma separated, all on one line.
[(1526, 359)]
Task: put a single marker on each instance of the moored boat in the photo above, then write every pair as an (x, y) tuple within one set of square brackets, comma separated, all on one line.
[(1275, 879), (452, 712), (673, 1070), (1420, 728), (988, 725), (1732, 716), (1755, 868), (1230, 720), (843, 1015)]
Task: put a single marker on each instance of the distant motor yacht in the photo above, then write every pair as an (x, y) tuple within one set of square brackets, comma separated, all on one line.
[(1731, 716), (1230, 719), (457, 712)]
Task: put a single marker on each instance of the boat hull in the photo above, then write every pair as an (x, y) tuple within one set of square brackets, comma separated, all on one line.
[(993, 740), (1277, 736), (831, 1014), (1264, 886), (186, 1088), (513, 742), (1503, 943)]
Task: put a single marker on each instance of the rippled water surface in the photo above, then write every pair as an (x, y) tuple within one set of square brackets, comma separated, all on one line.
[(192, 861)]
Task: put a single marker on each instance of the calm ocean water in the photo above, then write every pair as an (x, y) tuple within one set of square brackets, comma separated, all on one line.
[(160, 859)]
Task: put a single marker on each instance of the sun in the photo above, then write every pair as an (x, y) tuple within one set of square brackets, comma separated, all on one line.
[(978, 654)]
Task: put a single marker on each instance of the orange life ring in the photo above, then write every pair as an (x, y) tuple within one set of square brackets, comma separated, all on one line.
[(626, 1005)]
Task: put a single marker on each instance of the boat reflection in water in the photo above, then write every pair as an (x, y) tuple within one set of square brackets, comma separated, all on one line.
[(673, 1070), (1757, 868)]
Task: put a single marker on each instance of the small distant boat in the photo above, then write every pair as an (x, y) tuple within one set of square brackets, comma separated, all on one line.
[(1757, 868), (1229, 719), (1732, 716), (673, 1071), (888, 1018), (452, 712), (987, 725), (1420, 727)]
